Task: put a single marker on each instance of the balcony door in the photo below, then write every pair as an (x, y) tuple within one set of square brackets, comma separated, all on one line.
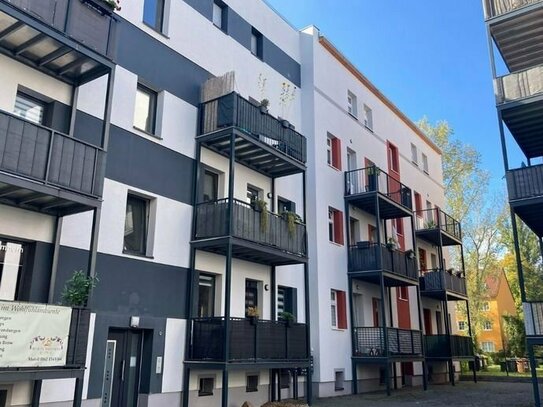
[(206, 296), (427, 321), (353, 176), (376, 305), (11, 269), (439, 323), (394, 185), (251, 296), (358, 304)]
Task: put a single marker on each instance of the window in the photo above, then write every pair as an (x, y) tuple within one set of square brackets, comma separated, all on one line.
[(145, 113), (433, 261), (136, 225), (352, 104), (462, 325), (485, 306), (219, 14), (339, 380), (256, 43), (414, 154), (284, 379), (368, 118), (333, 152), (403, 293), (393, 157), (210, 186), (335, 225), (354, 231), (252, 383), (488, 347), (253, 193), (153, 14), (425, 163), (284, 205), (487, 325), (206, 386), (251, 295), (287, 300), (372, 233), (338, 309), (206, 296), (11, 270), (29, 108)]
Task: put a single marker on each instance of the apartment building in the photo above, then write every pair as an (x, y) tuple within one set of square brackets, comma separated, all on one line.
[(516, 53), (233, 184)]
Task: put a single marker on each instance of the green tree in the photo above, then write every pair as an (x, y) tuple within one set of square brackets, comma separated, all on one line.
[(514, 336)]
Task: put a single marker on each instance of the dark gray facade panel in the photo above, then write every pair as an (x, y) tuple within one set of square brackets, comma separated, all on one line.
[(36, 272), (240, 30), (158, 65), (128, 286), (141, 163), (88, 128), (154, 331)]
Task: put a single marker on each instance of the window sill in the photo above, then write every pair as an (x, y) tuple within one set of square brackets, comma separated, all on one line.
[(138, 255), (146, 133), (204, 394), (223, 30), (352, 115), (336, 243), (334, 168), (370, 129), (339, 329), (155, 30)]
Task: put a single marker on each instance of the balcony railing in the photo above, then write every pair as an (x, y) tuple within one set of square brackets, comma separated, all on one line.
[(89, 22), (533, 318), (44, 155), (370, 342), (435, 218), (370, 257), (519, 85), (524, 183), (441, 280), (234, 111), (250, 223), (373, 179), (250, 340), (495, 8), (443, 346)]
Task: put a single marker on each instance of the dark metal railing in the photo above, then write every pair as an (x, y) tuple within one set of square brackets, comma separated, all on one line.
[(435, 218), (370, 342), (232, 110), (250, 340), (76, 354), (526, 182), (439, 346), (438, 280), (44, 155), (368, 256), (373, 179), (533, 318), (495, 8), (212, 220), (89, 22)]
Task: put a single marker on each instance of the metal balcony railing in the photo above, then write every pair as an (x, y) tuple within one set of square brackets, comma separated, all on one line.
[(533, 318), (232, 110), (212, 220), (441, 280), (495, 8), (250, 340), (373, 179), (435, 218), (370, 342), (368, 256), (41, 154), (519, 85), (443, 346), (526, 182)]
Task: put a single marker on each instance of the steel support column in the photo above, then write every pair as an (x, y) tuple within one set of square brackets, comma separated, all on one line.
[(471, 336), (533, 370), (36, 393), (54, 264)]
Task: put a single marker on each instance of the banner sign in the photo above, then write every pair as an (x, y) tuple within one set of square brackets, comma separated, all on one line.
[(33, 335)]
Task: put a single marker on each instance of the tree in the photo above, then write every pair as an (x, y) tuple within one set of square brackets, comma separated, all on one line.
[(514, 336)]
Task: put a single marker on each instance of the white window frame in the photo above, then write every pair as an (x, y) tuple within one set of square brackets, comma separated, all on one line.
[(331, 224), (488, 346), (329, 150), (486, 306), (368, 117), (425, 163), (487, 326), (462, 325), (334, 316), (352, 104), (218, 20), (414, 155)]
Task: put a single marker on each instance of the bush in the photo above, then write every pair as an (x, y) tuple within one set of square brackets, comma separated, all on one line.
[(77, 289)]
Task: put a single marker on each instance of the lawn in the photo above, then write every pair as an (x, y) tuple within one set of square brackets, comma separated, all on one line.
[(494, 370)]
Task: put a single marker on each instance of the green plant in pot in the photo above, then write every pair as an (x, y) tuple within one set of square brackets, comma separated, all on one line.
[(77, 289), (112, 4), (252, 314), (262, 207), (430, 224), (292, 219), (392, 244), (288, 317), (264, 104)]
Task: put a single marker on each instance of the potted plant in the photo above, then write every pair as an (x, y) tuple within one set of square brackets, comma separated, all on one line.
[(77, 289), (430, 224), (264, 103), (252, 314), (112, 4), (410, 254), (287, 317), (262, 206), (292, 219), (373, 173), (392, 244)]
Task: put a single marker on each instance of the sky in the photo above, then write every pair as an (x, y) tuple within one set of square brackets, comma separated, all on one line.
[(430, 57)]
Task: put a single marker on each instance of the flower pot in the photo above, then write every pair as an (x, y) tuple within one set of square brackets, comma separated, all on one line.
[(253, 320), (285, 124), (263, 109)]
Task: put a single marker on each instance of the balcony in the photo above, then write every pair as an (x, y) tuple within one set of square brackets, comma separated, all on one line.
[(73, 40), (251, 342), (516, 28), (525, 187), (448, 347), (374, 191), (443, 285), (368, 260), (258, 237), (533, 321), (369, 342), (437, 227), (261, 141), (47, 171)]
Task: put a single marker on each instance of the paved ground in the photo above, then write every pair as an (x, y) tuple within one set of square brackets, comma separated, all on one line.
[(465, 394)]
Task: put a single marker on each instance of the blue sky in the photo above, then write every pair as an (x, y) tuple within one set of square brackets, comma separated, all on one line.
[(430, 57)]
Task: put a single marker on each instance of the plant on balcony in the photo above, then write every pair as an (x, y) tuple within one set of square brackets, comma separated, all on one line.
[(287, 317), (292, 219), (112, 4), (262, 206), (373, 173), (286, 97), (430, 224), (264, 103), (410, 254), (77, 289), (392, 244), (252, 314)]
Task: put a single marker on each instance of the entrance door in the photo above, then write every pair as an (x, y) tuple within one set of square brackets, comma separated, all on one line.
[(427, 321), (126, 368)]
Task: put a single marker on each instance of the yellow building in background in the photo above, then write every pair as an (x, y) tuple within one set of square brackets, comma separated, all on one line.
[(500, 302)]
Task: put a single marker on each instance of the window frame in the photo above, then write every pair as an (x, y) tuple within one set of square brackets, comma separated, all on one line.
[(333, 151), (425, 167), (38, 102), (462, 325), (335, 226), (485, 306), (352, 104), (216, 180), (368, 118), (160, 10), (144, 244), (201, 392), (257, 36), (253, 388), (213, 285), (152, 110), (414, 155), (223, 9), (488, 326)]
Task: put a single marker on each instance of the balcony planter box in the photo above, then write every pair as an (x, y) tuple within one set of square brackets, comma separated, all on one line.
[(78, 337)]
